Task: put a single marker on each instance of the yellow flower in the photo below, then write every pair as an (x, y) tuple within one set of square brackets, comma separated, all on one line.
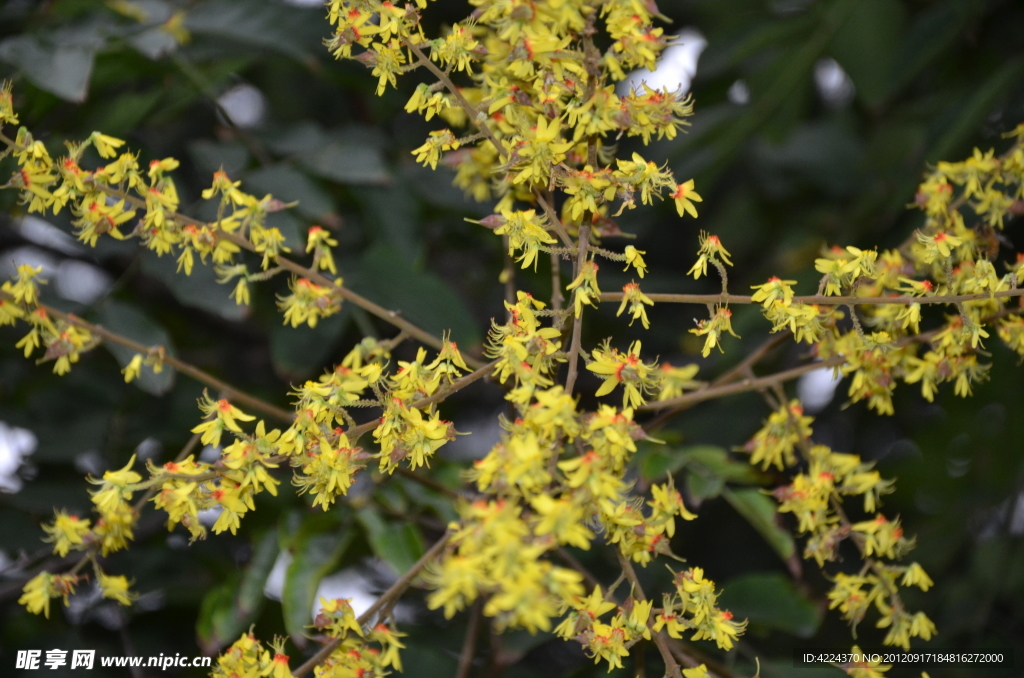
[(719, 324), (562, 518), (389, 638), (337, 618), (866, 669), (938, 246), (7, 114), (105, 145), (685, 196), (133, 369), (40, 589), (438, 141), (116, 588), (916, 576), (636, 301), (526, 231), (711, 251), (772, 291), (221, 416), (674, 380), (114, 487), (634, 259), (627, 369), (320, 242), (585, 284), (66, 532)]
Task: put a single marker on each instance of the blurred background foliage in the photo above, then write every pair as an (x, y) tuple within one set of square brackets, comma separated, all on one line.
[(814, 121)]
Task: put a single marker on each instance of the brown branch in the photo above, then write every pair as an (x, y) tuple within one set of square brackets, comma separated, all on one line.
[(671, 666), (225, 389), (469, 642), (392, 317), (391, 595), (479, 120), (742, 386), (189, 447), (577, 325), (743, 368), (556, 284), (457, 385), (820, 299)]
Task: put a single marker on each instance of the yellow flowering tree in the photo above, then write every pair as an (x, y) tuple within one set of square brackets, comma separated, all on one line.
[(533, 101)]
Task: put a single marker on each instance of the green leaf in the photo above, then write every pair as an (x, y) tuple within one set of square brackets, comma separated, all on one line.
[(211, 156), (215, 613), (289, 184), (250, 591), (119, 116), (660, 461), (135, 325), (268, 24), (865, 45), (716, 460), (154, 43), (702, 486), (348, 162), (972, 112), (931, 34), (760, 512), (723, 55), (60, 62), (228, 610), (315, 554), (298, 352), (393, 217), (420, 296), (398, 543), (435, 188), (430, 658), (825, 154), (199, 290), (770, 599)]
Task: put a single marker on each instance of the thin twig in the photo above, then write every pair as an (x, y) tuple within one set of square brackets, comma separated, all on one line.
[(557, 298), (189, 447), (671, 666), (457, 385), (469, 642), (225, 389), (392, 317), (577, 326), (392, 594), (741, 369), (479, 120), (821, 299), (742, 386)]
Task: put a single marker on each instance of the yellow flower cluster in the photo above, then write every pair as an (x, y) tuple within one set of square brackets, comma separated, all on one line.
[(693, 605), (64, 342), (536, 115), (123, 194), (358, 655), (815, 497)]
